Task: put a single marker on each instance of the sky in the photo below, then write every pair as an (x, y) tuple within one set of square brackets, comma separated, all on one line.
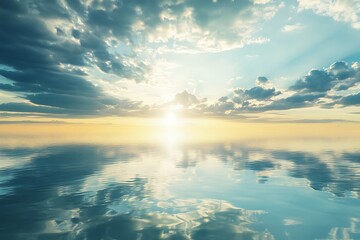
[(247, 60)]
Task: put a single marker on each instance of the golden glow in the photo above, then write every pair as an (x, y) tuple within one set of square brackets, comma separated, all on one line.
[(154, 131)]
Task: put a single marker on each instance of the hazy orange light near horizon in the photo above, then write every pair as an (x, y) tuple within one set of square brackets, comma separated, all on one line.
[(169, 128)]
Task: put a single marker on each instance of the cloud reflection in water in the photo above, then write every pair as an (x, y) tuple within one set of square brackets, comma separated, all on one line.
[(214, 191)]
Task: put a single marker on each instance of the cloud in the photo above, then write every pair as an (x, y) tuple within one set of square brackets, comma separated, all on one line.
[(294, 101), (70, 101), (338, 76), (339, 10), (315, 86), (292, 27), (246, 97), (260, 93), (319, 88), (315, 81), (186, 99), (262, 80), (30, 108), (47, 67), (353, 99), (52, 46), (189, 24), (345, 77), (221, 107), (189, 104)]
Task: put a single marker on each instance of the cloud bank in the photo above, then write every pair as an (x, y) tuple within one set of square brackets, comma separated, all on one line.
[(336, 86)]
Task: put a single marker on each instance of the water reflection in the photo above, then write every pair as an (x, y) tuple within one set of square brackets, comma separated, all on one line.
[(213, 191)]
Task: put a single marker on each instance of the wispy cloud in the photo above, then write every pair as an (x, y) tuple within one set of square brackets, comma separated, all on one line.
[(339, 10), (292, 27)]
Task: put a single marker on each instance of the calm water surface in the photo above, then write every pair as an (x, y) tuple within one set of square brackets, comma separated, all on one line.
[(234, 190)]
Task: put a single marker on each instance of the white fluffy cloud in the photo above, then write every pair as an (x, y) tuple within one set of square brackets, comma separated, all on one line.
[(339, 10), (211, 25)]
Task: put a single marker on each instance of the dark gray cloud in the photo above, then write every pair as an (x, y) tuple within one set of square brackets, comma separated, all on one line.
[(261, 80), (315, 81), (46, 65), (70, 101), (50, 81), (294, 101), (12, 6), (245, 96), (341, 70), (353, 99), (206, 14), (29, 108), (48, 9), (260, 93), (118, 17), (338, 76), (318, 88)]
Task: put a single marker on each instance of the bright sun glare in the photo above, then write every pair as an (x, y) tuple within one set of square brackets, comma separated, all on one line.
[(170, 119), (170, 133)]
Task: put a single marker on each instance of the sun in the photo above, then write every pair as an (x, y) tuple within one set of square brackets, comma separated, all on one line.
[(170, 133), (170, 119)]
